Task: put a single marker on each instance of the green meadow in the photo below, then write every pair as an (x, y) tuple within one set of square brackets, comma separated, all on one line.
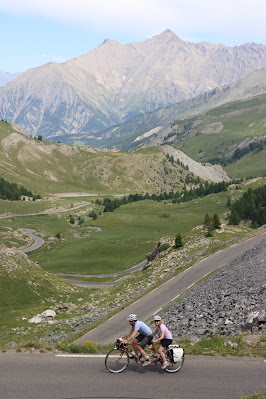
[(127, 234)]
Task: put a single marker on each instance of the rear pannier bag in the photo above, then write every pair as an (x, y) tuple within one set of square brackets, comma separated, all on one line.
[(176, 352)]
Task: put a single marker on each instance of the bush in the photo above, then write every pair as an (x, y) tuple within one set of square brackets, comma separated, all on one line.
[(74, 348), (163, 247), (178, 241), (89, 347)]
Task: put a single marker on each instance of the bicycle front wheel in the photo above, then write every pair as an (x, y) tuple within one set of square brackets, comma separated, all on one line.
[(173, 367), (116, 360)]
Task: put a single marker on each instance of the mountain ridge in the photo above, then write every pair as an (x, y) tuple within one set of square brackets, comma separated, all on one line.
[(115, 81)]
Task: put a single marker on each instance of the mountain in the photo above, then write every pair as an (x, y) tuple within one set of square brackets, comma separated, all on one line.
[(114, 82), (6, 77), (152, 128)]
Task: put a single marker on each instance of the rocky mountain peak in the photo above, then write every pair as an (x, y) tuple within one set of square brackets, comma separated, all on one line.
[(115, 82), (109, 42)]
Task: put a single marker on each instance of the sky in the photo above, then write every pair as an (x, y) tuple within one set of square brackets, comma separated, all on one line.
[(34, 32)]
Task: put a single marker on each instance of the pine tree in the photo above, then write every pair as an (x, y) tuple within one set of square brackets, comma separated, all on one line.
[(178, 241), (229, 204), (216, 221)]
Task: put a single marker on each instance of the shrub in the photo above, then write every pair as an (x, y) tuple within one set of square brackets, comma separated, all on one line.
[(74, 348), (178, 241), (163, 247), (89, 347)]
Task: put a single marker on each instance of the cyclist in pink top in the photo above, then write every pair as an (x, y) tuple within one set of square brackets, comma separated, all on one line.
[(164, 340)]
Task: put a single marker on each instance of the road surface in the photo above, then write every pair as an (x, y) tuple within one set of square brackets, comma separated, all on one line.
[(45, 376)]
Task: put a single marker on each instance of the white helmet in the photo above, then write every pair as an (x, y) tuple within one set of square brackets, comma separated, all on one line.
[(157, 318), (132, 317)]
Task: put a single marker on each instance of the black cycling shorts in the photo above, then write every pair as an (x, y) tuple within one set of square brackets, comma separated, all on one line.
[(144, 340), (165, 342)]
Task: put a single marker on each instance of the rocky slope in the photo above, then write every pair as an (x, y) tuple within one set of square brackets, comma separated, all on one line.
[(152, 128), (206, 171), (117, 81), (231, 301)]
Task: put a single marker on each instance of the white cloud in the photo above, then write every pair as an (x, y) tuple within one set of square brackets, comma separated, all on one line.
[(58, 58), (235, 20)]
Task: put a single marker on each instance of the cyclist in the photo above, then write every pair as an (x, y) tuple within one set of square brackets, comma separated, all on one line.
[(164, 339), (144, 337)]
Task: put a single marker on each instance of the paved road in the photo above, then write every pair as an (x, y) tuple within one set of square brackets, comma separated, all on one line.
[(44, 213), (83, 284), (151, 303), (38, 242), (45, 376)]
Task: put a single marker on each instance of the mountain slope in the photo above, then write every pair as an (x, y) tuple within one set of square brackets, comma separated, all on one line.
[(151, 128), (216, 135), (51, 167), (116, 81), (6, 77)]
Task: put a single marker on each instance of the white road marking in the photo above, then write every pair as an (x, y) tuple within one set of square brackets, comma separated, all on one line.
[(157, 311), (190, 286), (80, 355), (175, 297)]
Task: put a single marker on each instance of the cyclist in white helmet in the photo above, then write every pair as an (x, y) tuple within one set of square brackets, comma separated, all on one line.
[(144, 336), (164, 339)]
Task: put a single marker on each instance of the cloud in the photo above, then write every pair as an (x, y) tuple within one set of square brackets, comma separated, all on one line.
[(238, 20), (58, 58)]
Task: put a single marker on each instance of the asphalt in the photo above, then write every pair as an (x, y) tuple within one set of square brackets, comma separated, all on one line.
[(46, 376)]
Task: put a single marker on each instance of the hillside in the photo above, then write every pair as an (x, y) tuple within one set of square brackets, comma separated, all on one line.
[(47, 168), (151, 128), (216, 134), (115, 82)]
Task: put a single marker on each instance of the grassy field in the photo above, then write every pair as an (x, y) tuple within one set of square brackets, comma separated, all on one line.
[(127, 235)]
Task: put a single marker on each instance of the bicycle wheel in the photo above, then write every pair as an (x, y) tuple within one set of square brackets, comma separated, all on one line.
[(116, 360), (173, 367)]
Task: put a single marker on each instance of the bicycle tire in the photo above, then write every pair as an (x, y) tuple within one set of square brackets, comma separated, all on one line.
[(116, 360), (174, 367)]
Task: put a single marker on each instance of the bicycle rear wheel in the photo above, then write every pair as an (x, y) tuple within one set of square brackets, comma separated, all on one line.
[(116, 360), (173, 367)]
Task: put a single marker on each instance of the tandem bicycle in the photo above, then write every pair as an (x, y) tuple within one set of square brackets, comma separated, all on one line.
[(117, 360)]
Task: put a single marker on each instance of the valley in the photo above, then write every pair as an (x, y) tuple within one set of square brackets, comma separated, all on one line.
[(132, 164)]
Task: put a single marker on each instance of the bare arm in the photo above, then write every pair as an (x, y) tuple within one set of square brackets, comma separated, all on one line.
[(134, 333), (128, 334), (158, 340), (155, 331)]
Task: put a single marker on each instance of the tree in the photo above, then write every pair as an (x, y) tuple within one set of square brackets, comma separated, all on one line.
[(234, 218), (216, 221), (208, 222), (72, 220), (229, 204), (178, 241)]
